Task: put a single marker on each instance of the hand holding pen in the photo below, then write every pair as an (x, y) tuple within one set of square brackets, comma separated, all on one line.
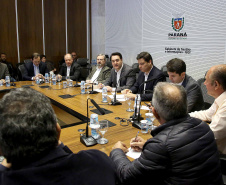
[(137, 143)]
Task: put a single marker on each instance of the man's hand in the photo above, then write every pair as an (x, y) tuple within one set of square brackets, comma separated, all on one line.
[(109, 89), (137, 144), (3, 81), (88, 81), (7, 165), (131, 95), (125, 91), (100, 85), (121, 146)]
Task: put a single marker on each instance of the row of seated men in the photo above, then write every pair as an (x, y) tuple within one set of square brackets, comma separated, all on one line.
[(183, 150)]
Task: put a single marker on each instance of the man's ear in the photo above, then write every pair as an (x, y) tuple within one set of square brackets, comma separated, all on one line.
[(183, 75), (155, 113), (58, 128)]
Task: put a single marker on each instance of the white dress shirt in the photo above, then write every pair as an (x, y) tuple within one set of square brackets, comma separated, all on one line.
[(216, 114), (36, 70), (96, 74), (68, 70), (146, 78), (118, 76)]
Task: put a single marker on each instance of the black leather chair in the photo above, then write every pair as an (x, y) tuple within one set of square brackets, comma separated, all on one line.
[(27, 60), (208, 100), (20, 70), (164, 71), (136, 69), (85, 68), (108, 63)]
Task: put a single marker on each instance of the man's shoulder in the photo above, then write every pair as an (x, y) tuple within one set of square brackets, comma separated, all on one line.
[(190, 82), (3, 65)]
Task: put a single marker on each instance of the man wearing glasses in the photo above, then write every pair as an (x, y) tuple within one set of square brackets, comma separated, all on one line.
[(122, 75), (100, 72)]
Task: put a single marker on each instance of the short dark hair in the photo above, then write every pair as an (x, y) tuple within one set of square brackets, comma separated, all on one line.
[(176, 65), (28, 126), (2, 54), (35, 55), (170, 101), (116, 53), (146, 56), (42, 56), (219, 74)]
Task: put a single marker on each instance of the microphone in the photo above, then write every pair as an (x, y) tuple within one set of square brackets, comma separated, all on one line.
[(92, 91), (76, 84), (115, 101), (97, 106), (86, 139)]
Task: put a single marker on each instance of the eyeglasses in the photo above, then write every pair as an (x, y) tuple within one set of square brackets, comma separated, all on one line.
[(124, 121), (117, 60)]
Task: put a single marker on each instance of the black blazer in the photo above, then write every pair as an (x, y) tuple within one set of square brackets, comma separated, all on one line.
[(29, 70), (138, 87), (74, 71), (194, 94), (125, 82)]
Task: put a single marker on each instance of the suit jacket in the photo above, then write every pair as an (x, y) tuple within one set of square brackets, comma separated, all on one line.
[(139, 85), (103, 75), (125, 82), (62, 167), (74, 71), (3, 71), (194, 94), (29, 70)]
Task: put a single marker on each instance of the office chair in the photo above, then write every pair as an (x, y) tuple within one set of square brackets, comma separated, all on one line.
[(136, 69), (208, 100), (85, 68), (20, 70), (164, 71), (108, 63), (27, 60)]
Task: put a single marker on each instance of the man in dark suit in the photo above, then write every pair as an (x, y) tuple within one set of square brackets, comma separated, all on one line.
[(69, 68), (121, 76), (176, 69), (11, 69), (35, 68), (147, 72), (29, 141)]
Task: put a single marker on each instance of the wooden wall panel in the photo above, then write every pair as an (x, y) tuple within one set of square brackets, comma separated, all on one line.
[(77, 39), (8, 38), (55, 31), (30, 27)]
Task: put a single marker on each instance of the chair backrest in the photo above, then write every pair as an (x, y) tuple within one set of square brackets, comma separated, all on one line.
[(83, 62), (164, 71), (20, 71), (108, 63), (27, 60), (208, 100), (136, 69)]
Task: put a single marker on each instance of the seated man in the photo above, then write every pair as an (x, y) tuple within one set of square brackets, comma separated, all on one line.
[(216, 87), (3, 72), (49, 65), (100, 72), (182, 151), (11, 69), (69, 69), (121, 76), (176, 69), (35, 68), (148, 72), (29, 141)]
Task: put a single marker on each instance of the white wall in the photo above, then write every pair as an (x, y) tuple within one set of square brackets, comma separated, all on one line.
[(132, 26)]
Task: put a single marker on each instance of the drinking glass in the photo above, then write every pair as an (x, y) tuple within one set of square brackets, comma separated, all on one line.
[(129, 101), (67, 79), (59, 79), (103, 129)]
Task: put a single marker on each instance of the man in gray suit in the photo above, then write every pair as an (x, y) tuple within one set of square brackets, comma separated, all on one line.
[(3, 72), (121, 76), (100, 72), (176, 69)]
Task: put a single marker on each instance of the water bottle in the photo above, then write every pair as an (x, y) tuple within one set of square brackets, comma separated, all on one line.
[(104, 95), (83, 87), (37, 80), (7, 81), (54, 79), (149, 118), (46, 77), (1, 83), (94, 125), (137, 102)]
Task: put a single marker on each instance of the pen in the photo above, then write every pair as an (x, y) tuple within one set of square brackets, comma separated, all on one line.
[(147, 104), (136, 136)]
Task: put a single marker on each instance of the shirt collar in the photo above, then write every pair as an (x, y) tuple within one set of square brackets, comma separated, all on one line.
[(221, 98), (147, 73), (119, 71)]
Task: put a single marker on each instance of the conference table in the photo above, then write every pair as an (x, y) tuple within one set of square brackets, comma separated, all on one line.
[(72, 101)]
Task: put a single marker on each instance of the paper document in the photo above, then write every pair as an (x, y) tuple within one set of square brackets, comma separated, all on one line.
[(143, 107), (133, 154), (118, 97)]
